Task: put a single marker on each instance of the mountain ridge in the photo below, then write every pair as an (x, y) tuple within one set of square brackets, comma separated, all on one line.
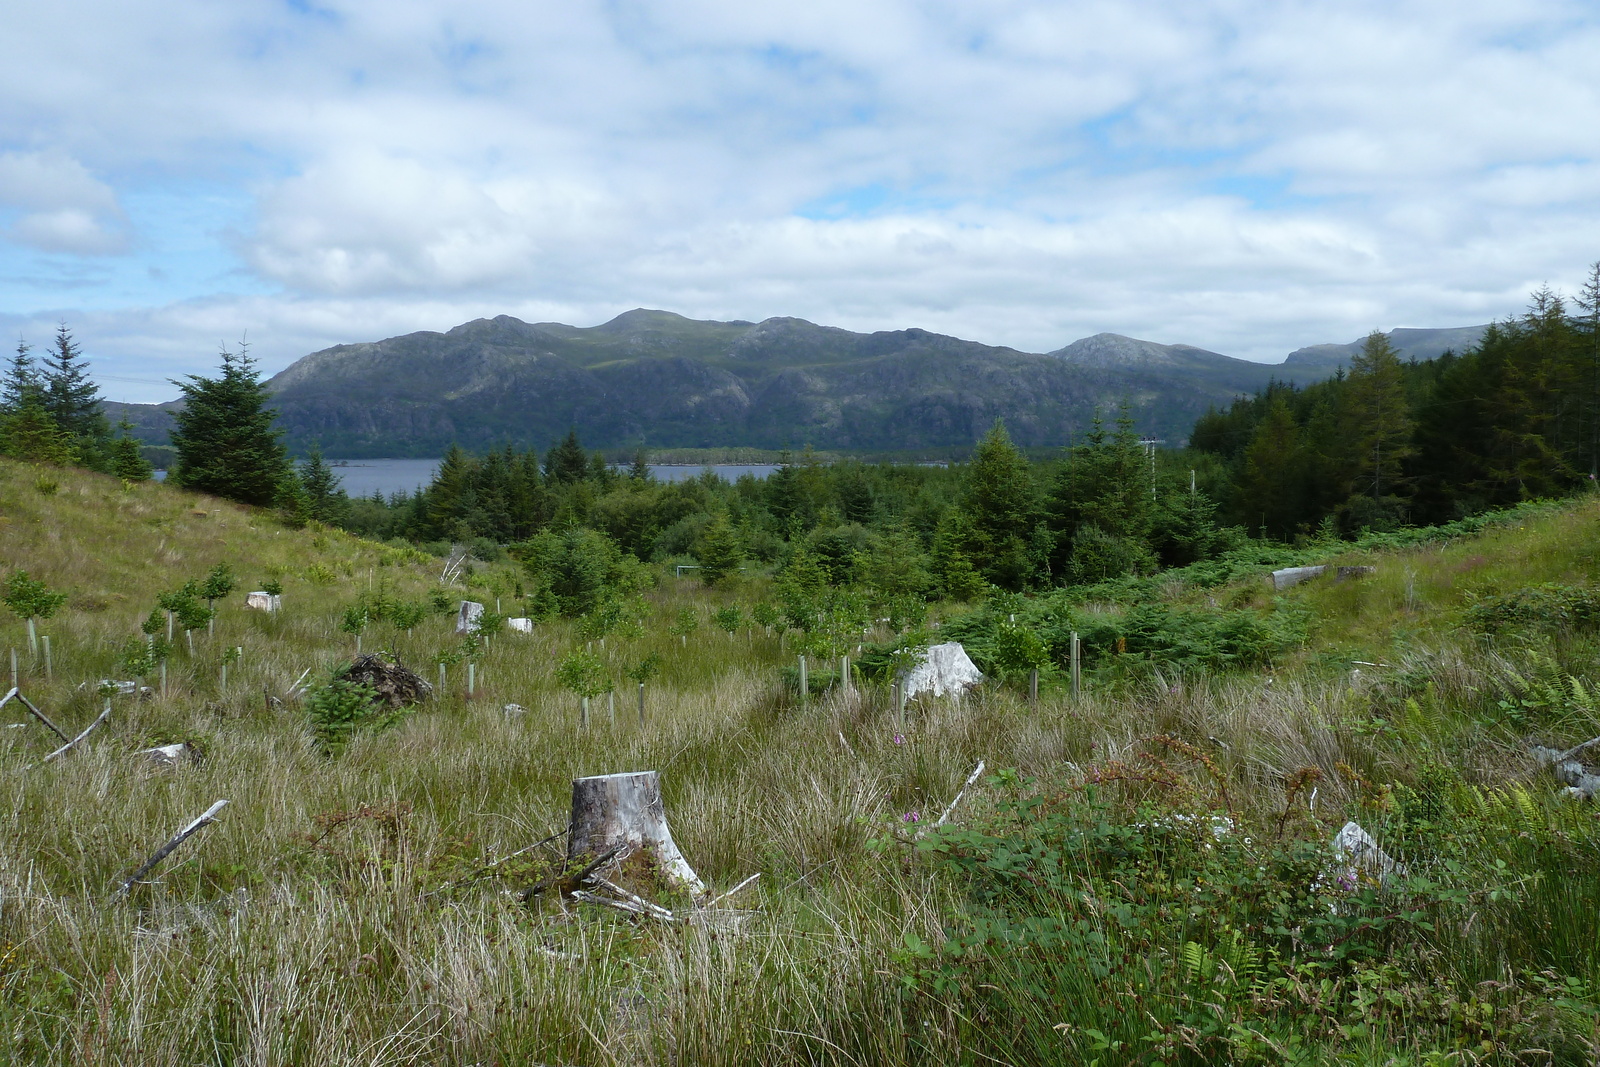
[(653, 378)]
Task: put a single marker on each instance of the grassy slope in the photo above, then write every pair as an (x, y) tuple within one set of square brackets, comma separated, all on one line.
[(265, 941)]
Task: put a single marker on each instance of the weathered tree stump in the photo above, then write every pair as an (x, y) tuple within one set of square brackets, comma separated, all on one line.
[(467, 616), (611, 810)]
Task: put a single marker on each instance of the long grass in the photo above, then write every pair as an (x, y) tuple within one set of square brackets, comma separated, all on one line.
[(332, 916)]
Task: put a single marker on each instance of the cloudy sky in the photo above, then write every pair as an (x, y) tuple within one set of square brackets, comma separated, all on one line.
[(1249, 176)]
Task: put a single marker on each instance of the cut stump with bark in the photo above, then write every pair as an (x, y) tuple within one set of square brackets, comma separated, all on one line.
[(625, 810)]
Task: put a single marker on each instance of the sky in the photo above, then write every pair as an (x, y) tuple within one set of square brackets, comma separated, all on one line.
[(1249, 177)]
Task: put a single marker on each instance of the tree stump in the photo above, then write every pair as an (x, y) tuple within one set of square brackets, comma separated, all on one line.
[(467, 616), (609, 810)]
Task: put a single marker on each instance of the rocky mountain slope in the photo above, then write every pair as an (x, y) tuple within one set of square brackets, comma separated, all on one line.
[(655, 379)]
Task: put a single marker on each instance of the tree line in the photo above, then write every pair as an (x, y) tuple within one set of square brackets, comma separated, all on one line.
[(50, 412), (1393, 443), (1386, 444)]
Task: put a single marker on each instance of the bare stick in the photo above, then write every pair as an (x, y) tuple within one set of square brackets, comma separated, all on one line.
[(734, 890), (561, 881), (1575, 749), (166, 849), (37, 714), (654, 909), (298, 680), (586, 897), (973, 777), (89, 730)]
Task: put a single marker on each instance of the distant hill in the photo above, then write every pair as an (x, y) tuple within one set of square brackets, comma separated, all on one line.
[(658, 380), (1411, 344)]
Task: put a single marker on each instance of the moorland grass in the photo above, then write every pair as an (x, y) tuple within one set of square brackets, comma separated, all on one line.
[(336, 914)]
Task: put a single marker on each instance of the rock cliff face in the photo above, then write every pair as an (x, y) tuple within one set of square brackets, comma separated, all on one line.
[(655, 379)]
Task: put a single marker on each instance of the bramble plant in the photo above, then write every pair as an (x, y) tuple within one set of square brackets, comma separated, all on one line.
[(30, 599)]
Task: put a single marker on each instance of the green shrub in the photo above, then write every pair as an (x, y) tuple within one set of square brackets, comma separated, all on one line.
[(1542, 607), (339, 707)]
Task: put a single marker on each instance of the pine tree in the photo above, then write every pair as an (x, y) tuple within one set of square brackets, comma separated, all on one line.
[(224, 437), (567, 462), (29, 433), (127, 462), (22, 378), (326, 500), (639, 473), (1589, 331), (719, 551), (1378, 429), (71, 396), (999, 502), (1272, 463)]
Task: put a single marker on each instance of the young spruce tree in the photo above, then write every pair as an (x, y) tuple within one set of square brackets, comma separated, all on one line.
[(70, 395), (224, 437)]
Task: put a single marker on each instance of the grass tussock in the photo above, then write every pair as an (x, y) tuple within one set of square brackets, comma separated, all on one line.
[(1081, 907)]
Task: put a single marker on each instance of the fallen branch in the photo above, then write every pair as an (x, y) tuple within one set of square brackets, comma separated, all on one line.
[(734, 890), (566, 884), (1569, 771), (1575, 749), (586, 897), (633, 898), (166, 849), (87, 731), (973, 777), (297, 682), (35, 712)]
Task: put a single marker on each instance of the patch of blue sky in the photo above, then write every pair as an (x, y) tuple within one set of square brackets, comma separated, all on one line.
[(318, 12), (184, 244), (873, 200), (1266, 192), (1115, 143)]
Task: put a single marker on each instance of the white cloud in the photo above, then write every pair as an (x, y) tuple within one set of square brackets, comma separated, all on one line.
[(63, 208), (1246, 175)]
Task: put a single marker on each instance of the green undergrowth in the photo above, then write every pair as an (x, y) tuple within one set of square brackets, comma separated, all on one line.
[(1142, 875)]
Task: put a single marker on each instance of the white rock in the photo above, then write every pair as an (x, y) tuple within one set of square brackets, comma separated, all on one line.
[(1360, 858), (168, 755), (467, 617), (515, 709), (261, 600), (521, 626), (944, 669)]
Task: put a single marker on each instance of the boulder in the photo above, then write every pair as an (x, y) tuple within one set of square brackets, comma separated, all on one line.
[(521, 626), (261, 600), (944, 669), (1348, 573)]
